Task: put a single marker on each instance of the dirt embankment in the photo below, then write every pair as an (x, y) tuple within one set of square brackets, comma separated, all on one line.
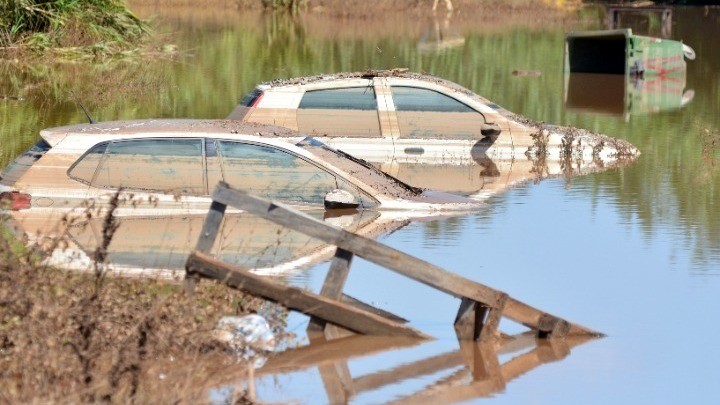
[(78, 338)]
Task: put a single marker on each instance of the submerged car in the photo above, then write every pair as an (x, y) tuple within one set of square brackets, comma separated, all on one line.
[(177, 163), (167, 170), (380, 115)]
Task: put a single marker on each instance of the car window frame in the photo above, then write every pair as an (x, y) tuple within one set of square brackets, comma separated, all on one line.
[(204, 140), (414, 86), (369, 87), (296, 155), (138, 189)]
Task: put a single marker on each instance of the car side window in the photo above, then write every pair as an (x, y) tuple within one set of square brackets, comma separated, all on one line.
[(425, 113), (84, 169), (350, 98), (165, 165), (344, 112), (417, 99), (274, 173)]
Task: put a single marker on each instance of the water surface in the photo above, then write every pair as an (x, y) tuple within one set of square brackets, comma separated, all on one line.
[(632, 252)]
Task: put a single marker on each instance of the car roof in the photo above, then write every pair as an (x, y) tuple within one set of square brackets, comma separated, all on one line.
[(164, 126), (347, 78)]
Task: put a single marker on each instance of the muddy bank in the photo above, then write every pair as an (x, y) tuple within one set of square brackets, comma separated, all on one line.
[(87, 338)]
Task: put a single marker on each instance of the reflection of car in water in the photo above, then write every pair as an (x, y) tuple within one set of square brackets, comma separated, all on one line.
[(386, 115), (159, 245)]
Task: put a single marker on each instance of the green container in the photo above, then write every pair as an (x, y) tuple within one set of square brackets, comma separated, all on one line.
[(620, 52)]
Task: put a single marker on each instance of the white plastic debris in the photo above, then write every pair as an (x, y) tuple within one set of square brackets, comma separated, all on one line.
[(249, 336)]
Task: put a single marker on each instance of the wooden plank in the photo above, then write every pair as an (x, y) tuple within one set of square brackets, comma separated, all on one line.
[(209, 233), (320, 352), (489, 327), (211, 227), (394, 260), (368, 249), (337, 382), (334, 283), (482, 360), (464, 386), (535, 319), (444, 361), (296, 299), (431, 365), (467, 320)]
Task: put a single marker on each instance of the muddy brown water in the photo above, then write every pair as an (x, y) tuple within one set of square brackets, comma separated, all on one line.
[(633, 252)]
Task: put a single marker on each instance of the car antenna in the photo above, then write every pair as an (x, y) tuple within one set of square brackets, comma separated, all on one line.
[(92, 121)]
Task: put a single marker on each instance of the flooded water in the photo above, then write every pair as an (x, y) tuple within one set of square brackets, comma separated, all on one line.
[(633, 252)]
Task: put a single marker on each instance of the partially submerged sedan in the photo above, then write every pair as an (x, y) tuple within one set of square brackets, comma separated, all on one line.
[(167, 170), (381, 115), (177, 163)]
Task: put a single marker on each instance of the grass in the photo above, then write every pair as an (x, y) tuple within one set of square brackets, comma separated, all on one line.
[(98, 27), (85, 337)]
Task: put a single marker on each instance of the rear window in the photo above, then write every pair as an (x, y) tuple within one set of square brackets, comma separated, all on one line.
[(250, 98), (23, 162), (417, 99), (167, 165), (352, 98)]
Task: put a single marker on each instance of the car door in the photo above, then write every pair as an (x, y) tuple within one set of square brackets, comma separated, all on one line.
[(277, 174), (348, 111), (424, 113), (171, 170)]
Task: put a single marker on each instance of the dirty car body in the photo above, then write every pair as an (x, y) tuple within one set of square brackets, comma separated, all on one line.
[(165, 172), (176, 164), (381, 115)]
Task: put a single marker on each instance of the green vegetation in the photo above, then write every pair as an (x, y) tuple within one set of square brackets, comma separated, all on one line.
[(69, 27)]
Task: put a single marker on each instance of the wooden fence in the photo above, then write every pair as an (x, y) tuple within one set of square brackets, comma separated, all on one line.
[(481, 307)]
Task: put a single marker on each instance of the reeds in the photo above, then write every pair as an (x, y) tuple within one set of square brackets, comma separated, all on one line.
[(97, 26)]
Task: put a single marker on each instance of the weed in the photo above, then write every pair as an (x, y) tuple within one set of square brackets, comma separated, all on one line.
[(538, 153)]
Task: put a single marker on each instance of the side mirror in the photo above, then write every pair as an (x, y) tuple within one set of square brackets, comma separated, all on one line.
[(340, 199), (490, 129)]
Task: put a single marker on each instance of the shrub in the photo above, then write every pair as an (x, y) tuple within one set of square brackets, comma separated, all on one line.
[(42, 24)]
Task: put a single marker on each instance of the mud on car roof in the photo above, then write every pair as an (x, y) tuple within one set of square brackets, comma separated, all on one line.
[(186, 126)]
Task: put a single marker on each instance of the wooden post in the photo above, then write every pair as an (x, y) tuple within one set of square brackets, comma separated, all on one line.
[(334, 284), (335, 376), (467, 320), (489, 328), (477, 321), (208, 235)]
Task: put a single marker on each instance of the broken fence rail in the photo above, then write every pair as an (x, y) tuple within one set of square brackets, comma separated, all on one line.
[(481, 307)]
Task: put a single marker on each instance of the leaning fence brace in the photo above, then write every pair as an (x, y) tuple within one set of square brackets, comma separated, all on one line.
[(481, 307)]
